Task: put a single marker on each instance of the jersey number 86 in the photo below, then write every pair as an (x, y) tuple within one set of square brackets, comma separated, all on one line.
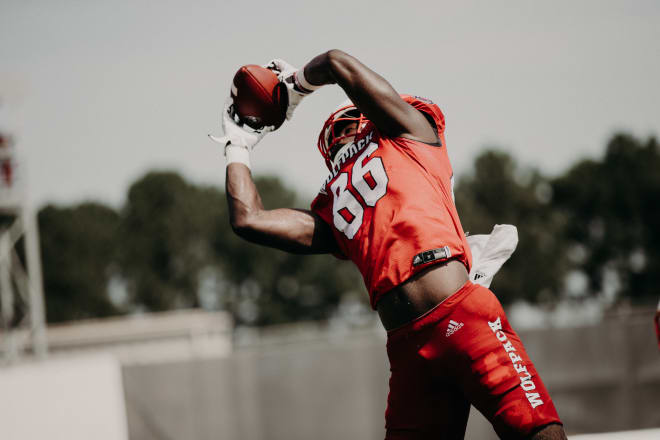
[(369, 180)]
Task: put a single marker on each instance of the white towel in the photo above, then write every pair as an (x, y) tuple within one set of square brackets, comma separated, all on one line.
[(490, 251)]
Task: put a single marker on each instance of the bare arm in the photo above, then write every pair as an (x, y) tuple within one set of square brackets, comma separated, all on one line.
[(372, 94), (301, 231), (292, 230)]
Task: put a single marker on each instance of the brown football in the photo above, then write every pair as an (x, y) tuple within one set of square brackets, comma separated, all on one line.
[(260, 99)]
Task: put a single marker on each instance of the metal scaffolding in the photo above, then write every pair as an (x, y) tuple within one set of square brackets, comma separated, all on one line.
[(22, 310)]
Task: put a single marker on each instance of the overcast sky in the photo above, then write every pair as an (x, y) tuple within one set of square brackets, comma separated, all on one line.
[(96, 93)]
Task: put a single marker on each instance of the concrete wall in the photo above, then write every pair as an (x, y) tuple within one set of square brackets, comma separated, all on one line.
[(178, 335), (602, 378), (79, 398), (319, 389)]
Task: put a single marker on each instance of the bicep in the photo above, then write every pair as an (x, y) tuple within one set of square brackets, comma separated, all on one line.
[(378, 100), (293, 230)]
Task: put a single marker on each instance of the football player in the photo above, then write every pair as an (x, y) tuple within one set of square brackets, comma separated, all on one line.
[(388, 205)]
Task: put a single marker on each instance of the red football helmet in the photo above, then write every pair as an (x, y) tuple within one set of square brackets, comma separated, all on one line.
[(329, 140)]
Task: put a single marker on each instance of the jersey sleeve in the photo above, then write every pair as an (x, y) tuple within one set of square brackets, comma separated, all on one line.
[(429, 108)]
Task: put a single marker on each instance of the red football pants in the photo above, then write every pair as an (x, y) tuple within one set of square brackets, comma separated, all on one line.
[(463, 352)]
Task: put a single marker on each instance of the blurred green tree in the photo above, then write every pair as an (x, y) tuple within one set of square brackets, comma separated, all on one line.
[(165, 228), (611, 206), (498, 191), (79, 251), (171, 245), (178, 250), (270, 286)]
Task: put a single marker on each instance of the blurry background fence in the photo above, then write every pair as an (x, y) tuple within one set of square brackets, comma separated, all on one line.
[(328, 385)]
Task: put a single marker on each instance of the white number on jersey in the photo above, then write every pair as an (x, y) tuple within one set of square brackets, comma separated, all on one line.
[(346, 210), (453, 198), (373, 168), (369, 180)]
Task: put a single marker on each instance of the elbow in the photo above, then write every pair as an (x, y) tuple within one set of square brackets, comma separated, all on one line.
[(241, 226), (340, 63), (336, 56)]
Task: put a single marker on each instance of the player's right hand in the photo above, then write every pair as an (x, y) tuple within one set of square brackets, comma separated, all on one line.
[(237, 133), (286, 73)]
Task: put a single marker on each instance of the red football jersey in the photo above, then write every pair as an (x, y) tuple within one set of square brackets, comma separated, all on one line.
[(390, 205)]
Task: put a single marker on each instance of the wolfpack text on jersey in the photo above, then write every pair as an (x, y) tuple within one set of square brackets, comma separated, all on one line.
[(526, 382)]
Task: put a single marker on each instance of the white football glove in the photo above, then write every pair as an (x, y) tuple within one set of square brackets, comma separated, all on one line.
[(237, 133), (239, 139), (297, 86)]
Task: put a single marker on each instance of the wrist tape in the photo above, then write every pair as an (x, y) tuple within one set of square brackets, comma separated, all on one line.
[(301, 82), (236, 154)]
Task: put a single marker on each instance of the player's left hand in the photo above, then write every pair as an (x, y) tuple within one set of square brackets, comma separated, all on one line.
[(286, 73), (237, 133)]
